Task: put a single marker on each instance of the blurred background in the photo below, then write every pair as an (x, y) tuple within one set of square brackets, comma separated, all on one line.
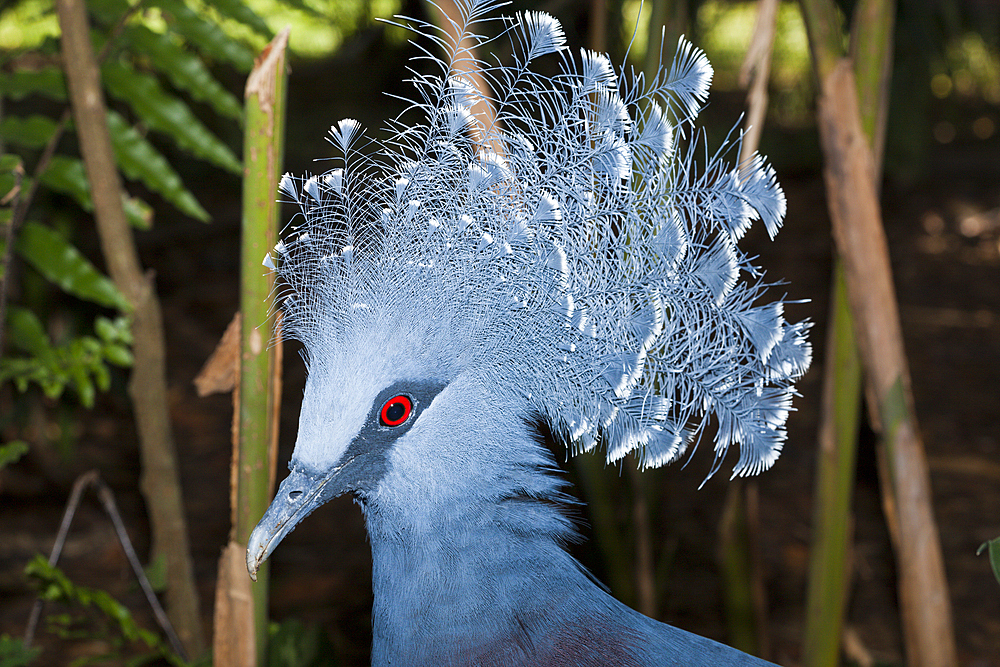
[(65, 409)]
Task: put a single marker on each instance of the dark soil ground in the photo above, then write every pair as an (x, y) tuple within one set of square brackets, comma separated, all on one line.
[(944, 234)]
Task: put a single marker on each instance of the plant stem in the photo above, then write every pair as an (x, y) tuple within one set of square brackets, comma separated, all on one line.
[(160, 481)]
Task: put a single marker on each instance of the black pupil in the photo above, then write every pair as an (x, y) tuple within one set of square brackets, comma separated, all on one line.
[(395, 412)]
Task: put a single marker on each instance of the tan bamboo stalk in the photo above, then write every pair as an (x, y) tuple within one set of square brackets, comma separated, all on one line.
[(860, 238), (755, 74), (858, 231), (829, 555), (160, 481)]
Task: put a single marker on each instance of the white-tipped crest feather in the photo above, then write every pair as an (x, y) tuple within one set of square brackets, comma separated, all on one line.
[(583, 262)]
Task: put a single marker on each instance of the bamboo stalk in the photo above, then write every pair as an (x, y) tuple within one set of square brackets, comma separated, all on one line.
[(259, 392), (829, 560), (160, 481), (857, 227), (858, 231), (852, 192), (829, 564), (871, 51), (851, 176), (263, 150), (755, 74)]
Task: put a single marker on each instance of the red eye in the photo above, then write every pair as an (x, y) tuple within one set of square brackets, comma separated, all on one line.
[(396, 410)]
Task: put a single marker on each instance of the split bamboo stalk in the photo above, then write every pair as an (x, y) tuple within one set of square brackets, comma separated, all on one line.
[(241, 610)]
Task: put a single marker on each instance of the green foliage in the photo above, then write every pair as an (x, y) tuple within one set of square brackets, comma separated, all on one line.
[(185, 70), (156, 59), (118, 628), (147, 52), (10, 183), (79, 363), (319, 27), (32, 132), (993, 546), (14, 654), (53, 256), (295, 644), (166, 113), (47, 82), (205, 34), (139, 160), (12, 453)]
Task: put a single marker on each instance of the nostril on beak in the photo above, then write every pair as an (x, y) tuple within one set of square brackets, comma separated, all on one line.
[(294, 495)]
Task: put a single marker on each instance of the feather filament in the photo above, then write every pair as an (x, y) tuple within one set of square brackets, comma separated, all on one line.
[(585, 261)]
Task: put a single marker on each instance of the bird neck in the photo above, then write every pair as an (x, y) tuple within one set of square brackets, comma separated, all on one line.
[(476, 583)]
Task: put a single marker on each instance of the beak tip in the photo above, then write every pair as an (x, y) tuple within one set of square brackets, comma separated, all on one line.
[(253, 564), (298, 495)]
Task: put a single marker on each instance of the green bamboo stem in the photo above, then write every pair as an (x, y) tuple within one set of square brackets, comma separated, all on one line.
[(851, 182), (829, 566), (257, 414), (829, 561), (735, 565)]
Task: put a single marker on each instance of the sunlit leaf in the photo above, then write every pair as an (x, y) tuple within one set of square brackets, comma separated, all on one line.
[(139, 160), (118, 355), (239, 10), (118, 330), (185, 69), (206, 35), (165, 113), (56, 259), (79, 363)]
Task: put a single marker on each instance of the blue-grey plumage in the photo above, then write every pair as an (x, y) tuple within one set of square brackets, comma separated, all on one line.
[(468, 562), (579, 276)]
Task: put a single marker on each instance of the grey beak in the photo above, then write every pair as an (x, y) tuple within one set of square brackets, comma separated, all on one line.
[(298, 495)]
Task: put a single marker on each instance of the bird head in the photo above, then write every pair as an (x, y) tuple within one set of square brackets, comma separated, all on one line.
[(408, 412), (566, 260)]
